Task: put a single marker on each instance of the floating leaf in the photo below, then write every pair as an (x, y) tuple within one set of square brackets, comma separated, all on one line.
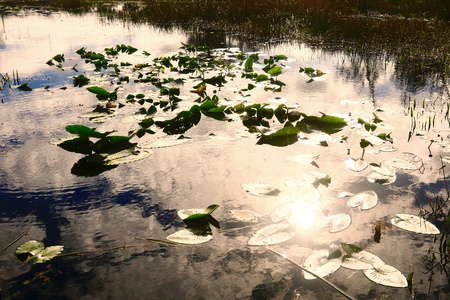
[(401, 164), (245, 215), (29, 249), (137, 155), (186, 236), (365, 200), (356, 165), (414, 223), (270, 235), (316, 178), (304, 158), (283, 137), (25, 87), (336, 223), (327, 124), (388, 149), (48, 253), (199, 219), (321, 263), (184, 213), (101, 93), (383, 170), (167, 141), (361, 260), (261, 189), (386, 275), (412, 157), (85, 131), (303, 191), (80, 80), (345, 194), (285, 211), (35, 250), (378, 178)]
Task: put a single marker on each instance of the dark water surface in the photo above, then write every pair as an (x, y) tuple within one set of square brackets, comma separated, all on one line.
[(38, 192)]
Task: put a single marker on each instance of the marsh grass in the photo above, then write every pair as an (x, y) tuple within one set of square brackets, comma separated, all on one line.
[(436, 209)]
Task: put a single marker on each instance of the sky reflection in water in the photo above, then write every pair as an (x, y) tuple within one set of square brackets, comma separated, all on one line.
[(38, 192)]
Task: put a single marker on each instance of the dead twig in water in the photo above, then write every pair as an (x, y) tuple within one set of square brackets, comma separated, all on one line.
[(15, 240), (308, 271), (124, 247)]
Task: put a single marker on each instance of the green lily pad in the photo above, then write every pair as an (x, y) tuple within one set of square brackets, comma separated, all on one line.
[(35, 250)]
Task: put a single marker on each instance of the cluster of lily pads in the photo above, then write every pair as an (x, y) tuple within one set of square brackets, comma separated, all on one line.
[(164, 110)]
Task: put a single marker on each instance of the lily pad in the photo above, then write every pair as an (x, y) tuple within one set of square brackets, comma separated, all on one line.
[(412, 157), (186, 236), (285, 211), (320, 263), (35, 251), (344, 194), (360, 260), (378, 178), (388, 149), (138, 155), (261, 189), (356, 165), (167, 141), (271, 235), (184, 213), (400, 163), (245, 215), (304, 158), (336, 223), (386, 275), (375, 177), (382, 169), (315, 177), (414, 223), (48, 253), (303, 191), (364, 200)]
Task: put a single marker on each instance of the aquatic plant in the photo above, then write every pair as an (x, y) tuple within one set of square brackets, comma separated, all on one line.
[(35, 251)]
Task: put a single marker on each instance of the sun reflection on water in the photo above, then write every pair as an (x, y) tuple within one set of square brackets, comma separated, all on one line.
[(304, 214)]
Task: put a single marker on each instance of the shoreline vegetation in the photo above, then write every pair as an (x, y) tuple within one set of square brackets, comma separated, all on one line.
[(413, 34)]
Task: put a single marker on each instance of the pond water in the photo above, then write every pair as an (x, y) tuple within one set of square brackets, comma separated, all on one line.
[(39, 194)]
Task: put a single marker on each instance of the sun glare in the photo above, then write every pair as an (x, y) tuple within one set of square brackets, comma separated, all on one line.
[(304, 215)]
